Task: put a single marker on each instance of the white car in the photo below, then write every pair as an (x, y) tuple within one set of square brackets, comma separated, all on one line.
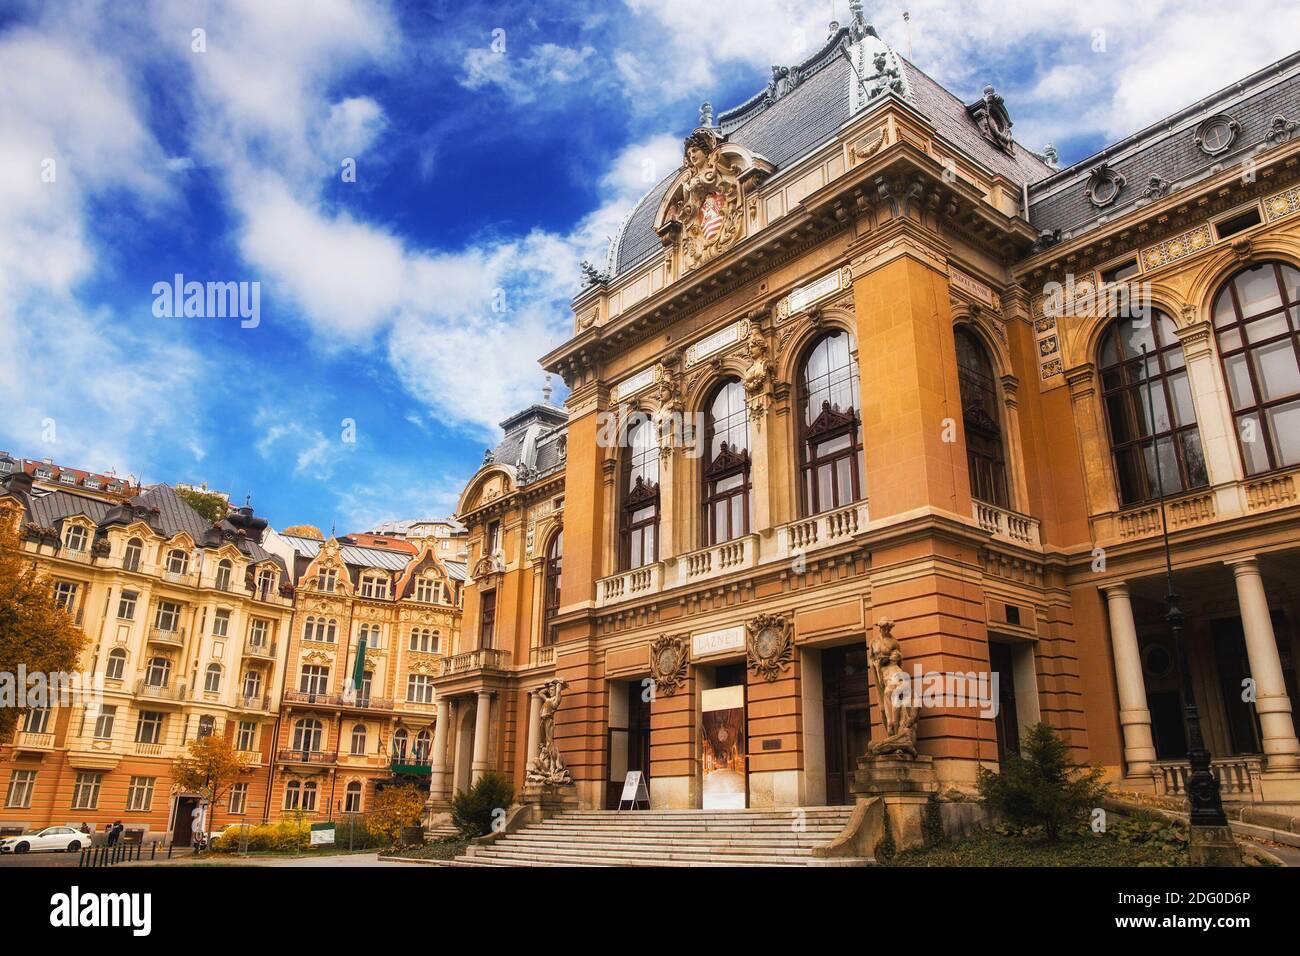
[(51, 838)]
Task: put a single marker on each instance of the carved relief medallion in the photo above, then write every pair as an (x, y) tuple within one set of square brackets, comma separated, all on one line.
[(668, 657), (770, 645)]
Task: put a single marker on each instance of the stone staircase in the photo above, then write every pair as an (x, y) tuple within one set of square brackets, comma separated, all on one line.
[(670, 838)]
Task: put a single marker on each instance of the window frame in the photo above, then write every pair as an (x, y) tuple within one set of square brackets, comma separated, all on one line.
[(986, 457), (728, 462), (829, 425)]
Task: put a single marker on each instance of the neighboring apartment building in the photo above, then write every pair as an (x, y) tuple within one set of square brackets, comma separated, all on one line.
[(842, 293), (47, 476), (186, 622), (450, 536), (338, 741)]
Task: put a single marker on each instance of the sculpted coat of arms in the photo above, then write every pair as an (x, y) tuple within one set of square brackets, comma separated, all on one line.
[(709, 208), (668, 657), (770, 645)]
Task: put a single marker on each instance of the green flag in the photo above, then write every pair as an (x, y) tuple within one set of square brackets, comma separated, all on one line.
[(359, 669)]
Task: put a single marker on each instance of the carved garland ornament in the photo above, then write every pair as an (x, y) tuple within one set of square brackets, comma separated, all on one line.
[(770, 645), (668, 657)]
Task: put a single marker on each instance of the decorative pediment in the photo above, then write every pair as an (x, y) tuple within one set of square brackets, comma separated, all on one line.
[(704, 210), (832, 419), (642, 492), (727, 459)]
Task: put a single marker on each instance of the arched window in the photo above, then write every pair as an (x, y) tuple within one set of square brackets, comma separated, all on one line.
[(1257, 324), (359, 739), (212, 679), (207, 726), (1129, 393), (131, 557), (265, 583), (116, 664), (309, 790), (640, 521), (292, 795), (307, 735), (725, 497), (178, 562), (158, 672), (423, 744), (985, 457), (831, 443), (224, 570), (399, 744), (352, 798), (554, 566)]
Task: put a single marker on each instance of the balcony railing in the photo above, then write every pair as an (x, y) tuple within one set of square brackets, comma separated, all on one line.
[(821, 531), (255, 703), (26, 740), (250, 758), (542, 656), (358, 702), (174, 637), (262, 651), (485, 658), (160, 692), (739, 554), (1238, 777), (629, 584), (148, 750), (306, 756), (1010, 526)]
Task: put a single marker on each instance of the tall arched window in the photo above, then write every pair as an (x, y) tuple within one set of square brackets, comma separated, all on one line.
[(131, 557), (352, 798), (985, 457), (359, 739), (307, 735), (116, 664), (640, 521), (212, 679), (1257, 324), (725, 497), (399, 744), (551, 606), (224, 570), (423, 744), (1129, 393), (830, 446)]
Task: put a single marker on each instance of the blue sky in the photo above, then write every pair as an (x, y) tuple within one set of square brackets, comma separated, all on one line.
[(496, 145)]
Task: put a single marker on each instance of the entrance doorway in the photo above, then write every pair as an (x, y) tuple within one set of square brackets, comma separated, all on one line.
[(462, 776), (629, 737), (724, 741), (183, 820), (846, 710), (1007, 721)]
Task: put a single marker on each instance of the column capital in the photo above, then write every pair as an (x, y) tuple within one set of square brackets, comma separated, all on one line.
[(1248, 564), (1119, 587)]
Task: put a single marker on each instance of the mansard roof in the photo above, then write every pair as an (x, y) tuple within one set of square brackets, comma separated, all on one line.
[(805, 106), (1168, 155)]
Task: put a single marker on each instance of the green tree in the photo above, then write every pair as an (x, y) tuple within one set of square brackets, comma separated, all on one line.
[(34, 630), (473, 811), (211, 507), (1042, 786)]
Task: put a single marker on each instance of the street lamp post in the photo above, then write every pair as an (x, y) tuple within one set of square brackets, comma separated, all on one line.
[(1210, 837)]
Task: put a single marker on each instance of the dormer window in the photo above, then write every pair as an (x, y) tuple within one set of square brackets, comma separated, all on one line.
[(92, 483), (75, 539), (1217, 134), (67, 478), (114, 486), (426, 590), (224, 570), (374, 586), (328, 581), (265, 583), (44, 473), (178, 562)]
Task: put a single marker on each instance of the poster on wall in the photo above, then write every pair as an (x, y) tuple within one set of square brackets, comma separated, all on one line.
[(723, 748)]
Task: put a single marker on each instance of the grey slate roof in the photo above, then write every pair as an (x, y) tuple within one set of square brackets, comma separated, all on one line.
[(456, 570), (808, 116), (353, 554), (1167, 149), (48, 510)]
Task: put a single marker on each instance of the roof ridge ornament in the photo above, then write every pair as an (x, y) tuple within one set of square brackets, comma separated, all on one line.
[(706, 114)]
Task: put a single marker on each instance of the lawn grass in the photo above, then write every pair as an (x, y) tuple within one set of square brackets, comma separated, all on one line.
[(991, 848), (445, 849)]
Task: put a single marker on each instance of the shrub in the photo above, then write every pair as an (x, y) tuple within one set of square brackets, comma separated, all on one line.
[(886, 849), (932, 822), (1041, 786), (472, 811)]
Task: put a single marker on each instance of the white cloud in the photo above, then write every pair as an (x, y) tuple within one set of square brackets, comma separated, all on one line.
[(547, 65)]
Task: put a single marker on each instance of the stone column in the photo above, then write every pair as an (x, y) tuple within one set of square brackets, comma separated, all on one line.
[(1281, 750), (534, 727), (482, 724), (438, 762), (1134, 717), (1213, 411)]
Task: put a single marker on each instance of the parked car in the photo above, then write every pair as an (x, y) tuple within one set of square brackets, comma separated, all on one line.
[(51, 838)]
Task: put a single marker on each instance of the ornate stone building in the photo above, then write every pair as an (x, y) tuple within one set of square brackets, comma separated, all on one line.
[(186, 624), (864, 357), (340, 737)]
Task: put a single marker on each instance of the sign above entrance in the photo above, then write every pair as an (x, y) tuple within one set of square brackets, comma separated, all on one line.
[(717, 642)]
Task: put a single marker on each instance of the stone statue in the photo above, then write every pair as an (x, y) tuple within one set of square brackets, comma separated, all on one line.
[(757, 374), (548, 767), (897, 706)]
